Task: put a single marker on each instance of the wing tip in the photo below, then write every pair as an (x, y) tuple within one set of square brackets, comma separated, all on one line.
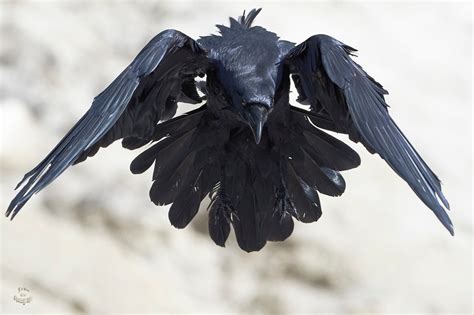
[(449, 226), (13, 209), (19, 201), (443, 199), (443, 217), (24, 179)]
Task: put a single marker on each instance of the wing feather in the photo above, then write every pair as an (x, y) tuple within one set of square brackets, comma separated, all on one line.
[(324, 61), (117, 111)]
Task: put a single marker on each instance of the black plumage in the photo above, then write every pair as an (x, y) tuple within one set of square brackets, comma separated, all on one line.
[(262, 161)]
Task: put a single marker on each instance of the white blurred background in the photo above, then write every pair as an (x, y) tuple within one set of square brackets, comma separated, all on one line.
[(92, 242)]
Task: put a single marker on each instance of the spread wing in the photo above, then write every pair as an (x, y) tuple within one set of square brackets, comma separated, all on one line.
[(344, 98), (146, 92)]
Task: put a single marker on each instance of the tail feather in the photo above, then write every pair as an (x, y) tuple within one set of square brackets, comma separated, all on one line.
[(186, 204), (328, 152), (265, 200), (249, 222), (165, 188), (219, 220), (335, 177), (171, 156), (304, 198), (180, 124), (146, 159), (257, 190), (280, 226), (245, 200), (175, 126), (133, 143), (310, 172)]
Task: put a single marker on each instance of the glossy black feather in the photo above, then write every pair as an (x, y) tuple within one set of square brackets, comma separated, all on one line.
[(248, 222), (187, 201), (357, 106), (312, 174), (280, 226), (261, 160), (115, 111), (219, 221), (306, 206)]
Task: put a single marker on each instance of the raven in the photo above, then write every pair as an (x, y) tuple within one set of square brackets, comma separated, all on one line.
[(261, 160)]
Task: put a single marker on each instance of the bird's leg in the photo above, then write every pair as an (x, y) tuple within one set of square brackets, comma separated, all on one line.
[(224, 205), (283, 205), (283, 202)]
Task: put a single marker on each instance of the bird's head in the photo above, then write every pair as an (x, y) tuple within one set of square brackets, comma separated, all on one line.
[(250, 88), (256, 114), (246, 58), (252, 99)]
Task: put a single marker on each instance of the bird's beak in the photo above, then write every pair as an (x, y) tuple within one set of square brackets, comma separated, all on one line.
[(256, 118)]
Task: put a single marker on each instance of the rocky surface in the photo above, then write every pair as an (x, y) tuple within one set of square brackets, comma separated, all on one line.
[(93, 243)]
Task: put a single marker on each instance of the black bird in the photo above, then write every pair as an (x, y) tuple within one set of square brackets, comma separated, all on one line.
[(262, 161)]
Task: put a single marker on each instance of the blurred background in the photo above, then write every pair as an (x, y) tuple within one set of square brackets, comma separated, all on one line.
[(92, 242)]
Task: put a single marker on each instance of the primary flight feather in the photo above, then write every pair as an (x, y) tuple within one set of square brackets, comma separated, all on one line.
[(262, 161)]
